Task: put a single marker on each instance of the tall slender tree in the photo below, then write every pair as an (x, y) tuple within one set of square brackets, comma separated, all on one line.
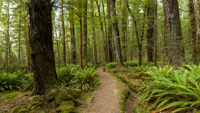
[(80, 32), (150, 30), (93, 35), (72, 31), (84, 41), (193, 30), (63, 34), (116, 34)]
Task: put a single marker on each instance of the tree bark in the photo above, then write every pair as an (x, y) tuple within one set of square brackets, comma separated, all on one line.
[(116, 34), (93, 35), (109, 32), (197, 8), (150, 31), (174, 34), (139, 45), (124, 30), (40, 37), (155, 33), (63, 34), (72, 32), (84, 41), (103, 34), (80, 33), (19, 46)]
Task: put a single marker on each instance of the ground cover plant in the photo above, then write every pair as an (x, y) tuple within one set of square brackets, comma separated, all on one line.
[(169, 88)]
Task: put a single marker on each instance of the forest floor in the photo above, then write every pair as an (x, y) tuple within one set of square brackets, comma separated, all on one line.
[(106, 96), (109, 97)]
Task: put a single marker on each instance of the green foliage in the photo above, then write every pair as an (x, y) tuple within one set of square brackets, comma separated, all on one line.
[(84, 79), (141, 68), (173, 88), (66, 74), (111, 65)]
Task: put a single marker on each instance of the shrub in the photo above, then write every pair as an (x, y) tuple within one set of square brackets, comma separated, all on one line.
[(173, 88), (66, 74), (85, 79), (111, 65)]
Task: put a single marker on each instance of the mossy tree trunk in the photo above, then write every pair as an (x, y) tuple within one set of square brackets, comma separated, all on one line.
[(94, 37), (103, 33), (63, 35), (84, 41), (80, 32), (174, 32), (150, 31), (40, 37), (139, 45), (72, 31), (109, 33), (116, 34)]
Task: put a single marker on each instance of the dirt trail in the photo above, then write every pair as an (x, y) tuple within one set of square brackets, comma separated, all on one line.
[(107, 95)]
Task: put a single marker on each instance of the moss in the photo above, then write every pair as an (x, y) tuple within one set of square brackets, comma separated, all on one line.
[(89, 99), (11, 95), (33, 97), (131, 76), (67, 107), (143, 74), (33, 105), (124, 96), (20, 109), (141, 108)]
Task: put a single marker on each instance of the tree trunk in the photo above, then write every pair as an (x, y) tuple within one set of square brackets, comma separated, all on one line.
[(19, 46), (109, 32), (174, 34), (197, 11), (106, 37), (155, 34), (124, 30), (164, 52), (93, 33), (40, 37), (103, 35), (63, 34), (84, 41), (139, 45), (116, 34), (72, 32), (80, 33), (150, 30)]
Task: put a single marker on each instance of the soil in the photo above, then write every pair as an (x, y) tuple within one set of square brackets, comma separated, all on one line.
[(107, 95)]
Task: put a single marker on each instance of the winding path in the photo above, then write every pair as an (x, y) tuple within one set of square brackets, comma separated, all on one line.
[(107, 95)]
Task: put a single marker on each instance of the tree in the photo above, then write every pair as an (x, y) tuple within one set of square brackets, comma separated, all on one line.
[(116, 34), (40, 37), (150, 30), (155, 33), (94, 39), (109, 32), (63, 34), (84, 41), (80, 32), (103, 33), (72, 31), (193, 30), (174, 34), (139, 45)]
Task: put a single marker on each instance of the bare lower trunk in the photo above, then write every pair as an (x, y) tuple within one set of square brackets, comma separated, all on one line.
[(63, 35), (84, 41), (40, 37), (174, 34), (150, 30), (116, 35)]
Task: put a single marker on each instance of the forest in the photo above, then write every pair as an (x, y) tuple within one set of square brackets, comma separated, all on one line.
[(99, 56)]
